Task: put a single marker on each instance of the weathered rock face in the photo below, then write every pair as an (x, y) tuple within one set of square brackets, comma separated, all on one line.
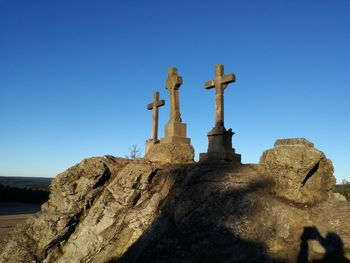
[(72, 193), (97, 209), (114, 210), (119, 217), (300, 172)]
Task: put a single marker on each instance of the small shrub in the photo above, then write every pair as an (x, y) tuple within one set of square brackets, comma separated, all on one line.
[(343, 189)]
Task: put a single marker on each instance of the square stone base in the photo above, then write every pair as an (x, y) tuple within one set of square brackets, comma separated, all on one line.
[(175, 132), (176, 140), (171, 153), (220, 147), (177, 129), (174, 148)]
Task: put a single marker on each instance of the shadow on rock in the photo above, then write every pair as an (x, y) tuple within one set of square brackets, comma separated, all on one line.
[(201, 220), (332, 244)]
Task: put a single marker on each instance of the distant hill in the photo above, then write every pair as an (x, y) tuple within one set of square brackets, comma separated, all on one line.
[(34, 183), (24, 189)]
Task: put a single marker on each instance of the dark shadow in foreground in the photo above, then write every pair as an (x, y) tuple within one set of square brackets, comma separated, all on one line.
[(202, 217), (198, 233), (332, 244)]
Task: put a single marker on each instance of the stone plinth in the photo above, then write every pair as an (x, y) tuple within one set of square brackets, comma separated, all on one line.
[(174, 148), (174, 153), (220, 147), (175, 132)]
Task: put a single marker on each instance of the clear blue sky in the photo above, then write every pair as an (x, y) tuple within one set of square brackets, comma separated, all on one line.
[(76, 76)]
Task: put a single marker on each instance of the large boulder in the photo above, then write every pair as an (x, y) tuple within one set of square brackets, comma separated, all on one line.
[(300, 173)]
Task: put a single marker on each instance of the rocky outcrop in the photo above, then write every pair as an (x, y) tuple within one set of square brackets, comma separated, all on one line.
[(115, 210), (299, 172), (97, 209), (72, 194), (123, 212)]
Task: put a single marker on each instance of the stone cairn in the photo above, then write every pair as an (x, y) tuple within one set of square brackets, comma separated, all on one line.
[(175, 147)]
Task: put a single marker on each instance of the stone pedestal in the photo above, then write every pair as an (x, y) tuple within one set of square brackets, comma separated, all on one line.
[(175, 132), (173, 153), (174, 148), (220, 147)]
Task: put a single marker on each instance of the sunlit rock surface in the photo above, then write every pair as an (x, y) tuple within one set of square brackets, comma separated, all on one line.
[(300, 172), (109, 209)]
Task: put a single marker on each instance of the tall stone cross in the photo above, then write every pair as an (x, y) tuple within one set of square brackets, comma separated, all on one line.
[(154, 106), (219, 83), (173, 84)]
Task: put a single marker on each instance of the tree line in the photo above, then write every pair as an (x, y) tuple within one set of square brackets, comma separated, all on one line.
[(25, 195), (344, 189)]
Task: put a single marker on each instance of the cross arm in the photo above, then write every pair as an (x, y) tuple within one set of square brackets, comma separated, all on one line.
[(157, 104), (209, 84), (228, 79), (160, 103), (150, 106)]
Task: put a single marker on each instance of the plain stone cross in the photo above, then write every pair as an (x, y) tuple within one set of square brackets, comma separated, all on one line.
[(173, 84), (154, 106), (219, 83)]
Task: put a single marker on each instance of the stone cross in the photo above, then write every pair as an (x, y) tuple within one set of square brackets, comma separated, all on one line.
[(173, 84), (219, 83), (154, 106)]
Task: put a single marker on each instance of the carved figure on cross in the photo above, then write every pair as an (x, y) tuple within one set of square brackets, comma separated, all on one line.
[(220, 83), (173, 84), (154, 106)]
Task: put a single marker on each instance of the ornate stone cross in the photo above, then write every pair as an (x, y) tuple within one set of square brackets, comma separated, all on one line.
[(173, 84), (219, 83), (154, 106), (220, 140)]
